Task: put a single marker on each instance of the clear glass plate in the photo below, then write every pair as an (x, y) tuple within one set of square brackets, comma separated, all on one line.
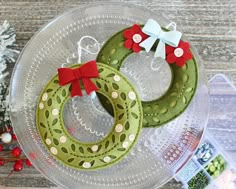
[(159, 153)]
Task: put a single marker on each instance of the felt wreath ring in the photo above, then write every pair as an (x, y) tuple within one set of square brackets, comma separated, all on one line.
[(127, 116), (167, 45)]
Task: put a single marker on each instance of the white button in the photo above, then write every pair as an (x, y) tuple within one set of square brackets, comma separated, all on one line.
[(132, 137), (94, 148), (114, 95), (45, 97), (48, 141), (178, 52), (41, 105), (55, 112), (86, 165), (116, 78), (107, 159), (132, 95), (119, 128), (62, 139), (125, 144), (53, 150), (137, 38)]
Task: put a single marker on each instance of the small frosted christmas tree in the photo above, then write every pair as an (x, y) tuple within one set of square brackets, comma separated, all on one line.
[(9, 148)]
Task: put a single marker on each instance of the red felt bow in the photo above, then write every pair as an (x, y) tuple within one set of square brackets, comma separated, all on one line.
[(84, 72)]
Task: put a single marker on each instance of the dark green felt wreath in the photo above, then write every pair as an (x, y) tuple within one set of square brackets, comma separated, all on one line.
[(164, 109)]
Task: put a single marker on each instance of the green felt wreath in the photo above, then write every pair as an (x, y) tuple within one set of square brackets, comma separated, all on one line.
[(177, 98), (74, 153)]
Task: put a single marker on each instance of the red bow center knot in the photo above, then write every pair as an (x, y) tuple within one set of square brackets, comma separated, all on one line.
[(84, 73), (77, 74)]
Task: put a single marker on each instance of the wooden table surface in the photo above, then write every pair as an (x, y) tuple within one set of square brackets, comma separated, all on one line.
[(209, 24)]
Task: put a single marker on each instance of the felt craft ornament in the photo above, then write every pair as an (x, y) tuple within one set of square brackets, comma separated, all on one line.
[(127, 116), (134, 36), (167, 45), (179, 55)]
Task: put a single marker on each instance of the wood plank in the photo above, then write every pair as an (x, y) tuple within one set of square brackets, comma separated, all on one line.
[(209, 25)]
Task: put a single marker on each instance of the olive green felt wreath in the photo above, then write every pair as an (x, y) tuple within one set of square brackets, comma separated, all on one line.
[(179, 95), (79, 155)]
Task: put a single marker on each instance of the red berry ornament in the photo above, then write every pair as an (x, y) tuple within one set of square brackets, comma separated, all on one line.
[(9, 129), (14, 137), (19, 161), (18, 167), (28, 162), (0, 148), (2, 162), (16, 152)]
